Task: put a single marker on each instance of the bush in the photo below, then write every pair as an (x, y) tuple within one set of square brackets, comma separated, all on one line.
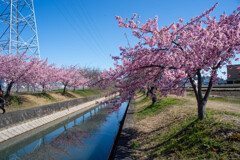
[(237, 81)]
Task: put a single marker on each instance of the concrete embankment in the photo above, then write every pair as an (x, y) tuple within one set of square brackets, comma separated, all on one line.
[(15, 123), (122, 148)]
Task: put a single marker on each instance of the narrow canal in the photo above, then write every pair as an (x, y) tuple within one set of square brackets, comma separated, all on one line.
[(87, 135)]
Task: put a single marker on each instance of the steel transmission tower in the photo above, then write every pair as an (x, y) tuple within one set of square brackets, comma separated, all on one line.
[(18, 29)]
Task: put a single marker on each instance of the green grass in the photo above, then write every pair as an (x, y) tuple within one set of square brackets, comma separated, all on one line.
[(191, 95), (67, 93), (206, 139), (45, 95), (142, 101), (211, 111), (57, 90), (87, 92), (135, 145), (14, 100), (151, 110)]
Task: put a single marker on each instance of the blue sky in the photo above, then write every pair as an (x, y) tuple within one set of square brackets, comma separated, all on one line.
[(85, 32)]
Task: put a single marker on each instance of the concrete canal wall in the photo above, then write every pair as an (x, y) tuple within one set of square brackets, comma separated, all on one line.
[(15, 123), (121, 148)]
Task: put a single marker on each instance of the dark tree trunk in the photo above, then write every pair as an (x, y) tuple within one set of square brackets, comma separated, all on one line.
[(64, 89), (74, 89), (17, 90), (28, 88), (148, 90), (201, 101), (43, 90), (202, 110), (9, 87), (154, 98)]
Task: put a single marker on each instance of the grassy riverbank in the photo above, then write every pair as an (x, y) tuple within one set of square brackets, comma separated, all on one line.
[(170, 129), (20, 101)]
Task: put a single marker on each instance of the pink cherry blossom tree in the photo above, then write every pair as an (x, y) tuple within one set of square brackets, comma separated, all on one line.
[(19, 69), (169, 57), (91, 75), (78, 79), (66, 75), (34, 76), (47, 75)]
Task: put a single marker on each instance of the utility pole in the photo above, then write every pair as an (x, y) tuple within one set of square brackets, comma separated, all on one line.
[(18, 28)]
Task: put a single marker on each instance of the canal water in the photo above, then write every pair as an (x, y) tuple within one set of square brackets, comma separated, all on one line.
[(88, 135)]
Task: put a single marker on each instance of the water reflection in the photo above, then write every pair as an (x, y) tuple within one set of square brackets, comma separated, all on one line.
[(60, 145), (88, 135)]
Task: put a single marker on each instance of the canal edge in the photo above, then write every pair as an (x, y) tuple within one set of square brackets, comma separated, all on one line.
[(18, 129), (120, 149)]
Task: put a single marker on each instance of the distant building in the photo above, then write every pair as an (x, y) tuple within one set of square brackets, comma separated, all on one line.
[(221, 81), (233, 73), (206, 80)]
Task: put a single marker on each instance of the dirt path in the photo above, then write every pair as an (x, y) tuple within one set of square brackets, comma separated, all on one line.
[(216, 105)]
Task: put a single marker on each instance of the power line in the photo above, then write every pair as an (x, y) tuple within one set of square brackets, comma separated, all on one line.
[(87, 26), (91, 21), (76, 25)]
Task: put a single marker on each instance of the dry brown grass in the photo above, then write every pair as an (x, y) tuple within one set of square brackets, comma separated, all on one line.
[(30, 101), (142, 105), (26, 101)]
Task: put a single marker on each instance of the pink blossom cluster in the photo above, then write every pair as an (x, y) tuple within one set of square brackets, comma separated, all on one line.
[(23, 70), (169, 57), (71, 76)]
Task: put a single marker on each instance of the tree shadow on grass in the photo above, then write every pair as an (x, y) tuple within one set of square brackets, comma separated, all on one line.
[(14, 103), (68, 94), (44, 95), (164, 144), (196, 139), (16, 100), (176, 135)]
